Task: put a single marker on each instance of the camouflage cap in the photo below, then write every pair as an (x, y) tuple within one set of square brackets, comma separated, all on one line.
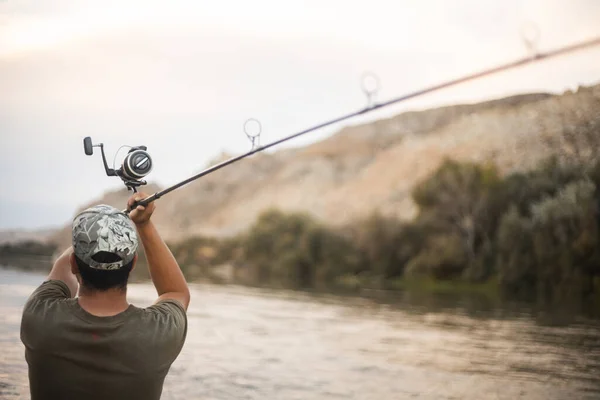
[(104, 228)]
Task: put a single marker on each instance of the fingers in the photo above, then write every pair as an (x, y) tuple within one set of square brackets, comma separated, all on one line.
[(138, 196), (134, 198), (139, 213), (136, 214)]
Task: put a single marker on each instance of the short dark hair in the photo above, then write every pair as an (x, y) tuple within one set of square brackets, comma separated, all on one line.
[(102, 280)]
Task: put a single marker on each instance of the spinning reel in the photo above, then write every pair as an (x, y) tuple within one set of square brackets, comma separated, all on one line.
[(136, 165)]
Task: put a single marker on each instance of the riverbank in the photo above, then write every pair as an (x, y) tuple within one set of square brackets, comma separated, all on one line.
[(489, 288), (429, 292)]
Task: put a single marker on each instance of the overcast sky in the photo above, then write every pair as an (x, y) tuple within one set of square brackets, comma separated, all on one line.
[(182, 77)]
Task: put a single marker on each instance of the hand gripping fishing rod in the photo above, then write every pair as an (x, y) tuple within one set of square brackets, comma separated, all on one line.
[(138, 164)]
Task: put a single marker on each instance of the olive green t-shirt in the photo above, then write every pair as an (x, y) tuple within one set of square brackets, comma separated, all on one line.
[(72, 354)]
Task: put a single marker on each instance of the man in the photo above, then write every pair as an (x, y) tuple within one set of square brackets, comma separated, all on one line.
[(97, 345)]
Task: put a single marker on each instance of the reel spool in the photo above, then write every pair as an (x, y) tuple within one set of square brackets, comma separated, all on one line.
[(137, 163)]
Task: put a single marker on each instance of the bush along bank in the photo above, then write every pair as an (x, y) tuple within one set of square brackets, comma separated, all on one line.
[(526, 235)]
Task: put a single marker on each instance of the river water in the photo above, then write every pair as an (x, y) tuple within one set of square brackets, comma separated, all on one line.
[(248, 343)]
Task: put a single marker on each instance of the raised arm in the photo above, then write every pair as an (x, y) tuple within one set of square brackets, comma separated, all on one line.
[(164, 269), (62, 271)]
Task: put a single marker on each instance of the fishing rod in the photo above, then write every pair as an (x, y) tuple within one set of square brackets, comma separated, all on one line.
[(138, 163)]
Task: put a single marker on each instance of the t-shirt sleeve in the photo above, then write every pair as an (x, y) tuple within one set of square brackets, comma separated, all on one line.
[(169, 319), (40, 307), (50, 290)]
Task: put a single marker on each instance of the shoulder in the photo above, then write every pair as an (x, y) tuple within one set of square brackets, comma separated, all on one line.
[(49, 291), (40, 312), (168, 306), (167, 312)]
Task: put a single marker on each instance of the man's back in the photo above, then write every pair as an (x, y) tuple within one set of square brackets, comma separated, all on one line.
[(74, 354)]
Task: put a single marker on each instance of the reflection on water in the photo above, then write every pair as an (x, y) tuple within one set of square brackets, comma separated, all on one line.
[(258, 344)]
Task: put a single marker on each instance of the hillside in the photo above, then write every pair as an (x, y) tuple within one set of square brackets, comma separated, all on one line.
[(376, 165)]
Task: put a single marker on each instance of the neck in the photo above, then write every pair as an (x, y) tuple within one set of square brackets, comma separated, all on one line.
[(103, 303)]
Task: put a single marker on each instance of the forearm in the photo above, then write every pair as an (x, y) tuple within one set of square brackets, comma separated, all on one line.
[(164, 269), (61, 270)]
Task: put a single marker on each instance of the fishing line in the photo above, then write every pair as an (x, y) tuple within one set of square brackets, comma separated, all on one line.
[(131, 172)]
